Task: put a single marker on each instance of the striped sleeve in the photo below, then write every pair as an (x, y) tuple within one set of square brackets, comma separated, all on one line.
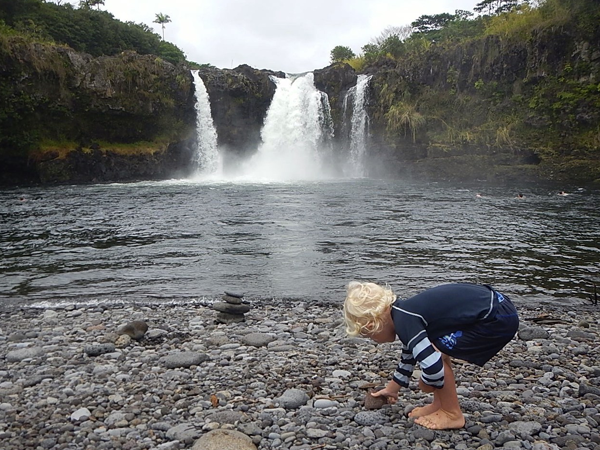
[(430, 361), (405, 367)]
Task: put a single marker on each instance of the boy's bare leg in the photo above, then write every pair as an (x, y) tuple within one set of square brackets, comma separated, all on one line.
[(421, 411), (444, 412)]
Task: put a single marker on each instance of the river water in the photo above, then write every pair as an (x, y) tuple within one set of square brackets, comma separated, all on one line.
[(185, 242)]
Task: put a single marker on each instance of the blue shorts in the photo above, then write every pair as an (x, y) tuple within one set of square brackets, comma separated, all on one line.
[(479, 342)]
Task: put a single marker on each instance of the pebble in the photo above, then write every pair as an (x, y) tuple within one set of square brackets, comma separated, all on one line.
[(286, 377)]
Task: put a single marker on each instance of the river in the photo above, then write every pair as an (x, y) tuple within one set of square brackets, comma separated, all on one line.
[(181, 241)]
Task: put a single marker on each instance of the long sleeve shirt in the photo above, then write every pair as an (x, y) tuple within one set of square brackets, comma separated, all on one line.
[(432, 314)]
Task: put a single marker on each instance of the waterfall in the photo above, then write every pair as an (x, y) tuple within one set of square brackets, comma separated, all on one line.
[(297, 130), (207, 158), (356, 99)]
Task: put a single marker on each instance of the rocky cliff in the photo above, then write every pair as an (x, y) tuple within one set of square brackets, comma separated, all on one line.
[(239, 100), (68, 117), (489, 108), (492, 107)]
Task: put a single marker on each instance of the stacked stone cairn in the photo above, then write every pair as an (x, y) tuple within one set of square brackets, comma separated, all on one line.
[(231, 309)]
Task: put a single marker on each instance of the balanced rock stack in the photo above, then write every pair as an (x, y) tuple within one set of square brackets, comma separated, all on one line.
[(231, 309)]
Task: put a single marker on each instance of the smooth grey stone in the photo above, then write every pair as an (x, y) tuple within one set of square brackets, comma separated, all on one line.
[(424, 433), (226, 416), (155, 334), (185, 432), (525, 428), (530, 333), (580, 334), (80, 414), (229, 318), (491, 418), (230, 308), (293, 398), (231, 299), (184, 359), (325, 403), (24, 353), (223, 439), (257, 339), (369, 418), (135, 329), (99, 349)]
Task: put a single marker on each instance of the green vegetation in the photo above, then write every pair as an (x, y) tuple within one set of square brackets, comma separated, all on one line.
[(341, 53), (520, 78), (84, 29)]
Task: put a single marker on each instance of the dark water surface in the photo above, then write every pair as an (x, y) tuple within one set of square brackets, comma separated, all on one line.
[(183, 242)]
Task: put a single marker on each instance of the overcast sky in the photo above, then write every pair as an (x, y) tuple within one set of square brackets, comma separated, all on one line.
[(291, 36)]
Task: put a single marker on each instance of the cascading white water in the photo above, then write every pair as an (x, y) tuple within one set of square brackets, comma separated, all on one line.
[(207, 158), (296, 130), (359, 125)]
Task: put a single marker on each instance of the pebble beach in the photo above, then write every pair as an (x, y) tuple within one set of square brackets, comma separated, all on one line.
[(287, 377)]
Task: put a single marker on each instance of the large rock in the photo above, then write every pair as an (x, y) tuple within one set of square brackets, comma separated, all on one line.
[(24, 353), (224, 440), (239, 100)]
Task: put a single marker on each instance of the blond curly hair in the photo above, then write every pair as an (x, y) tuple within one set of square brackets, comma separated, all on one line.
[(365, 306)]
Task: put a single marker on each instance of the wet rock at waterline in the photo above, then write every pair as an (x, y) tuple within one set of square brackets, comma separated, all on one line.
[(135, 330)]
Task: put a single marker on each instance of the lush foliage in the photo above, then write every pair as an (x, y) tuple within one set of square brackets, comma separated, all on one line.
[(520, 77), (84, 29), (341, 53)]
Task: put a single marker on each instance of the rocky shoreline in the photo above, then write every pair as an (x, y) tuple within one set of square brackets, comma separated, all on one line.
[(285, 378)]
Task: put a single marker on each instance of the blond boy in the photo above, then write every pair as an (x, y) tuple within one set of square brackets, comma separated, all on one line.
[(465, 321)]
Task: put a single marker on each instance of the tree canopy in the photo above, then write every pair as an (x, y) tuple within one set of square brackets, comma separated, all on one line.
[(84, 29), (341, 53)]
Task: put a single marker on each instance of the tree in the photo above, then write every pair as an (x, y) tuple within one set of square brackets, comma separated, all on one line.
[(497, 6), (162, 19), (402, 33), (341, 53), (427, 23), (89, 3)]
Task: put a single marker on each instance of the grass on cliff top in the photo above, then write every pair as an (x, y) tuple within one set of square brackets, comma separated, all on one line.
[(60, 150)]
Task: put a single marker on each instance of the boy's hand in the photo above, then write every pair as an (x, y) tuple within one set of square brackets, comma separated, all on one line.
[(389, 392)]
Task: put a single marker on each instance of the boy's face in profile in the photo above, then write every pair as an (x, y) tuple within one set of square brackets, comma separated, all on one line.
[(387, 332)]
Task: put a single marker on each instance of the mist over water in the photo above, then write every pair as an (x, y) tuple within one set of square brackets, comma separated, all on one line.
[(293, 136), (296, 137)]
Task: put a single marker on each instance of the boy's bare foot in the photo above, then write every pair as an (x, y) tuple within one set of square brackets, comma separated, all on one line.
[(442, 420), (421, 411)]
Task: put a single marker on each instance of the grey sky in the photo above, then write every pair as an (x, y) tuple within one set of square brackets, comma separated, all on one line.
[(291, 36)]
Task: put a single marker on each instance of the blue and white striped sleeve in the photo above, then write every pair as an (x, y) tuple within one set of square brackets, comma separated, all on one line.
[(430, 361), (405, 367)]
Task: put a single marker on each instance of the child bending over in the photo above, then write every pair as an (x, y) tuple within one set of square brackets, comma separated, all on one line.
[(464, 321)]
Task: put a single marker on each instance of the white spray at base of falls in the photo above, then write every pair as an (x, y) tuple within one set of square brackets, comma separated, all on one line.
[(207, 159), (356, 98), (296, 134)]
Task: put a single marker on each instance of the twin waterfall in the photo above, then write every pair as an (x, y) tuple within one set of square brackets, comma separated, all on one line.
[(297, 135)]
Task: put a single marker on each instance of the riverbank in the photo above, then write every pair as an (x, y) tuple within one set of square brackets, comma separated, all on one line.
[(287, 378)]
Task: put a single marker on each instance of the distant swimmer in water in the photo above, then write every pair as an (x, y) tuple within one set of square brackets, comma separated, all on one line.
[(519, 195), (563, 193), (478, 195)]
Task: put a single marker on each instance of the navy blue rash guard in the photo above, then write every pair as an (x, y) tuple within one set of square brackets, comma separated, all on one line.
[(432, 314)]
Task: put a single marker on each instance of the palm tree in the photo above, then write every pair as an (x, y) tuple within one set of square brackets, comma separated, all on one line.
[(162, 19)]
